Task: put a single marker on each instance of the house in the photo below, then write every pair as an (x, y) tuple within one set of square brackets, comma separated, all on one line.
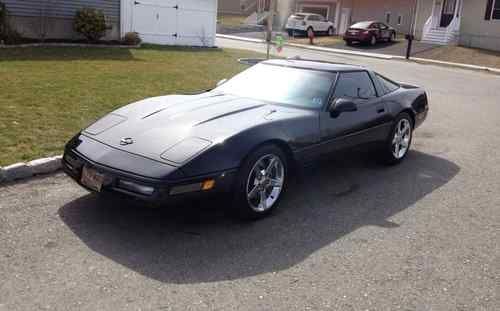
[(343, 13), (471, 23), (170, 22), (230, 7)]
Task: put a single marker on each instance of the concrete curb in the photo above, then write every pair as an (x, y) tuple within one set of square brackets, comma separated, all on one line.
[(374, 55), (23, 170), (79, 45)]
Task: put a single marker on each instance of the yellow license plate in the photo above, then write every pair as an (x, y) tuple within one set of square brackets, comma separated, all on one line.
[(92, 178)]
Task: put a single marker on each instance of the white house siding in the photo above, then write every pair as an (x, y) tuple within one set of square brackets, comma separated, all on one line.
[(475, 30)]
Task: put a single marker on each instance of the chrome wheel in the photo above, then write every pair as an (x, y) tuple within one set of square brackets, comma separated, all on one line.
[(402, 138), (265, 183)]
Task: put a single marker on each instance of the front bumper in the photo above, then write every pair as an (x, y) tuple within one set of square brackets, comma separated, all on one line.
[(74, 162)]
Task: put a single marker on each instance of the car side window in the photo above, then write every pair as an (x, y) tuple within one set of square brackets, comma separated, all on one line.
[(387, 85), (383, 26), (356, 84), (312, 18)]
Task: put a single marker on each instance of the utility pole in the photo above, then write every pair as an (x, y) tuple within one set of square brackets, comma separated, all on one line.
[(270, 21)]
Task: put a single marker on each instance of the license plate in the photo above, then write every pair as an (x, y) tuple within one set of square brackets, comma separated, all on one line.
[(92, 178)]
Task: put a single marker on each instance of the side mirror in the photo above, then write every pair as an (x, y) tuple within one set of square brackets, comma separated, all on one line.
[(221, 82), (342, 105)]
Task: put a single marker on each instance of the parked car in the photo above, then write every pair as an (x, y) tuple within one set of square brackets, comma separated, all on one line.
[(245, 136), (309, 24), (369, 32)]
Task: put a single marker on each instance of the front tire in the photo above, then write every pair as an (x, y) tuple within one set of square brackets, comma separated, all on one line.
[(261, 183), (398, 143)]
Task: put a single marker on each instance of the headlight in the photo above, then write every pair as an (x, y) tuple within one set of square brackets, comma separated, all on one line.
[(105, 123), (186, 149)]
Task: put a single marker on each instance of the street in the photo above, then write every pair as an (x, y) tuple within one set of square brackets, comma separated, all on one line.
[(350, 235)]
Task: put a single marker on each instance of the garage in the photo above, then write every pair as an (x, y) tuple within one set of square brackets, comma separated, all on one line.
[(171, 22)]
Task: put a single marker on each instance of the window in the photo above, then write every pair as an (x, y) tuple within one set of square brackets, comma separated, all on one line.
[(388, 17), (362, 25), (355, 85), (492, 10), (495, 14), (320, 10), (400, 20), (383, 26), (387, 85)]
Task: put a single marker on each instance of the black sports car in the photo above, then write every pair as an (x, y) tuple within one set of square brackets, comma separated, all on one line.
[(244, 136)]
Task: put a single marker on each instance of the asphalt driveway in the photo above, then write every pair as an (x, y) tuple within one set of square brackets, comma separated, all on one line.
[(351, 234)]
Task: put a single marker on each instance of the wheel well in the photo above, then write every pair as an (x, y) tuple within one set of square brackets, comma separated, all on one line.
[(292, 164), (412, 115)]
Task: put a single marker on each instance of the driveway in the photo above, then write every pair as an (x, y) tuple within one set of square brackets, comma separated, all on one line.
[(351, 234)]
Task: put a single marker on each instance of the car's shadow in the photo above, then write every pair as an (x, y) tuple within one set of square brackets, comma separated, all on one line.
[(203, 244)]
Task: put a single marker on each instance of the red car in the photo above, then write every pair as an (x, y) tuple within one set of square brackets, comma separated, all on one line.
[(369, 32)]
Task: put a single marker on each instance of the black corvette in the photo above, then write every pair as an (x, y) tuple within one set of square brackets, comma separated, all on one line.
[(244, 136)]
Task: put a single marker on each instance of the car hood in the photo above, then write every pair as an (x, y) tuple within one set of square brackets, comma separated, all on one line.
[(174, 129)]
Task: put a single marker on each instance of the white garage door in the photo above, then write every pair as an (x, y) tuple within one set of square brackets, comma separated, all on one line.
[(172, 22)]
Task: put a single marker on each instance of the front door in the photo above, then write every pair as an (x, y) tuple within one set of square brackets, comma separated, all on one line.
[(448, 12), (353, 128), (345, 19)]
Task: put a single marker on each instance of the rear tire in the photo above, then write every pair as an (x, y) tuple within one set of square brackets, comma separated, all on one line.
[(261, 183), (397, 145), (348, 42)]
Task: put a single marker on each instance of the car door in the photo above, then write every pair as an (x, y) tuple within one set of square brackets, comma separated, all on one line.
[(357, 127), (312, 22), (322, 23), (377, 31), (385, 32)]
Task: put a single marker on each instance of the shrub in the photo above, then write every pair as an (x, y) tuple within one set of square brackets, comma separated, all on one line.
[(131, 38), (90, 23)]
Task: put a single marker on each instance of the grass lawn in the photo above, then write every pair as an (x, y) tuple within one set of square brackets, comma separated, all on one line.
[(48, 94), (459, 54), (325, 41), (231, 20)]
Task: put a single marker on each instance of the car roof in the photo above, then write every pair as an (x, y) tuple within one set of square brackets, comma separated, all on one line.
[(313, 65)]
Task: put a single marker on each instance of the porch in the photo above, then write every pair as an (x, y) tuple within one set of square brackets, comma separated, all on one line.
[(443, 25)]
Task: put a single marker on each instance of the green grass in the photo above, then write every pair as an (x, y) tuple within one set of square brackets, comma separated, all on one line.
[(49, 94), (231, 20)]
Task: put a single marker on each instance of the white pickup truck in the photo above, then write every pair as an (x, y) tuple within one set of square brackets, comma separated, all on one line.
[(308, 24)]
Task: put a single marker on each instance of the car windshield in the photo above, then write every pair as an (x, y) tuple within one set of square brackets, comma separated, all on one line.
[(281, 85), (362, 25)]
